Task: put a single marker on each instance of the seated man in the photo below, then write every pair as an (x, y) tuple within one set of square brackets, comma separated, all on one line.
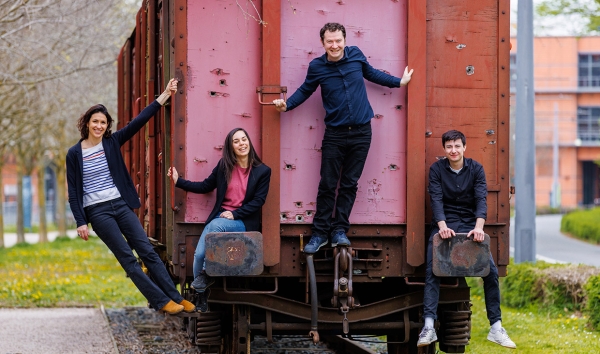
[(458, 192)]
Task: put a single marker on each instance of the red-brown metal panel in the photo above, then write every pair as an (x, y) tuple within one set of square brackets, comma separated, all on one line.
[(503, 255), (178, 64), (140, 137), (417, 101), (151, 166), (127, 79), (120, 83), (271, 59), (134, 168)]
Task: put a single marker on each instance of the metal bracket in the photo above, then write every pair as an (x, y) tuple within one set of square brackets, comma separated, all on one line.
[(271, 89)]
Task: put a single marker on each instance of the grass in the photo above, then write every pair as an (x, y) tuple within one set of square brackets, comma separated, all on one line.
[(533, 332), (64, 273)]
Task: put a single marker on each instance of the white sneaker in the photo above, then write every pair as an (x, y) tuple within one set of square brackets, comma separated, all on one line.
[(500, 337), (426, 337)]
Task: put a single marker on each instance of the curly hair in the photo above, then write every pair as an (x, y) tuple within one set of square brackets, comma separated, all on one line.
[(332, 27), (82, 123)]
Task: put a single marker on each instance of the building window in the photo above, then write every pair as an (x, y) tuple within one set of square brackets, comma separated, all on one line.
[(588, 128), (513, 71), (589, 70)]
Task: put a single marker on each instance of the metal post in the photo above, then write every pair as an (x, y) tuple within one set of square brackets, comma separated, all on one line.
[(525, 138), (555, 194)]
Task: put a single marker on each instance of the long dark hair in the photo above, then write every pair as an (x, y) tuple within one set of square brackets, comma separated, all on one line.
[(229, 159), (82, 123)]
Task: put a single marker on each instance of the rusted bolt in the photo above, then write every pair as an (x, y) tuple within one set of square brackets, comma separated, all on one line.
[(502, 205), (182, 250), (378, 232), (181, 36), (180, 147), (502, 67), (502, 149), (182, 265), (180, 63), (502, 95), (503, 12), (502, 40), (375, 244), (353, 232), (181, 92)]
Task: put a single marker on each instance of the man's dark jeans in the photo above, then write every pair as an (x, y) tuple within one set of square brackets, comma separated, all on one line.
[(113, 219), (344, 153), (432, 282)]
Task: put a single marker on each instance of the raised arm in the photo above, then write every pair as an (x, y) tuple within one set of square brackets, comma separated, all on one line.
[(138, 122)]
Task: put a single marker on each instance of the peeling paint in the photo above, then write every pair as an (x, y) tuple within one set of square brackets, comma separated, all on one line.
[(470, 70), (219, 147), (200, 159), (461, 46), (492, 142), (217, 94), (490, 132), (378, 116), (289, 166), (219, 71)]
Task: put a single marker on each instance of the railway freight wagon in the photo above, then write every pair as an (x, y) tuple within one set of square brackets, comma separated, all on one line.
[(233, 57)]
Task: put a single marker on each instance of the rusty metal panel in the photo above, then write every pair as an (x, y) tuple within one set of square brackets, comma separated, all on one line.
[(417, 110), (234, 253), (460, 256)]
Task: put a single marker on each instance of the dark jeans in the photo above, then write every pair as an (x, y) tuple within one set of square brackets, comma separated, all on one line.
[(432, 282), (114, 219), (344, 153)]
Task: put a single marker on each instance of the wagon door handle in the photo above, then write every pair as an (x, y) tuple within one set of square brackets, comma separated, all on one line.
[(276, 90)]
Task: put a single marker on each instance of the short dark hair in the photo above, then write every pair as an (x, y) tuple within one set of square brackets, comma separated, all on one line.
[(82, 123), (332, 27), (452, 135)]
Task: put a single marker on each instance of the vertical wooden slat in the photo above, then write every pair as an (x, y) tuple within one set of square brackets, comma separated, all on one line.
[(503, 120), (416, 113), (271, 65)]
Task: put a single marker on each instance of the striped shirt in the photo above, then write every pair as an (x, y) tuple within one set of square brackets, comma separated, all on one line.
[(98, 184)]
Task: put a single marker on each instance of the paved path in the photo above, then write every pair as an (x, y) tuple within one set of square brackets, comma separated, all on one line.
[(55, 331), (553, 246), (10, 239)]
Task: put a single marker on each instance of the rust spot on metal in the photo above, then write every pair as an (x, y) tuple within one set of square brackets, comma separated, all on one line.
[(218, 94), (492, 142), (428, 134), (298, 204), (461, 256), (200, 159), (385, 71), (289, 166), (219, 71), (398, 106), (393, 167), (219, 147), (490, 132), (378, 116), (461, 46), (246, 115), (450, 39)]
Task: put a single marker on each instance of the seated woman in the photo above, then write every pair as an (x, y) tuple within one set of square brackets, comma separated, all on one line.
[(242, 183), (102, 193)]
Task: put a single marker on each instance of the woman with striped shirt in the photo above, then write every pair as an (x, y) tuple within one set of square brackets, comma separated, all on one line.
[(102, 193)]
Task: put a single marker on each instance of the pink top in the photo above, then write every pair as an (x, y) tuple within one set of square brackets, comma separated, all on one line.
[(236, 189)]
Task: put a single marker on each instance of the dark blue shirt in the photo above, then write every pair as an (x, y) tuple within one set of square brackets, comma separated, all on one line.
[(342, 87), (457, 197)]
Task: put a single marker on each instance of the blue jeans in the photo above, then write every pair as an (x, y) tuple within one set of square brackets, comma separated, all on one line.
[(216, 225), (491, 287), (113, 219), (344, 153)]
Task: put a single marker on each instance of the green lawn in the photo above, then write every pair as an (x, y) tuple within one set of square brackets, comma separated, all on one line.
[(533, 332), (64, 273)]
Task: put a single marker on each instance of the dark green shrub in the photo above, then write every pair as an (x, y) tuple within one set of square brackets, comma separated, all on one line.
[(583, 224), (592, 307)]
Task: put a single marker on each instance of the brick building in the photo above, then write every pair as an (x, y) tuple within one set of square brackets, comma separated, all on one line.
[(567, 105)]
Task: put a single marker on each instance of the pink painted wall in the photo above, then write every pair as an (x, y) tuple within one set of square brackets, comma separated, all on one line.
[(224, 36), (378, 28), (222, 39)]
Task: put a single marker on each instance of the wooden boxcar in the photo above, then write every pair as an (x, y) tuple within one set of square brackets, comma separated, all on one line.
[(231, 57)]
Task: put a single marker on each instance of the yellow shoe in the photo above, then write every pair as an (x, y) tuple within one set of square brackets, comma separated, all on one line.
[(187, 306), (172, 308)]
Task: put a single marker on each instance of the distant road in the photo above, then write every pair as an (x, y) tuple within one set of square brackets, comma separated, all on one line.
[(553, 246)]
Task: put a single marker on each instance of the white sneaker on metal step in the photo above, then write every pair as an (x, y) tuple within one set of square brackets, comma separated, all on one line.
[(500, 337), (426, 337)]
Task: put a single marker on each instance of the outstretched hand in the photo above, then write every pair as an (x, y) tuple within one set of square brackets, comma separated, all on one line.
[(173, 174), (406, 77)]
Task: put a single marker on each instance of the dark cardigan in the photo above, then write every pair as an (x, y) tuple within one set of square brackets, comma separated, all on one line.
[(256, 193), (116, 165)]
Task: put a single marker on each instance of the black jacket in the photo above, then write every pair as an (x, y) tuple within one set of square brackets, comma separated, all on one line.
[(256, 193), (116, 165)]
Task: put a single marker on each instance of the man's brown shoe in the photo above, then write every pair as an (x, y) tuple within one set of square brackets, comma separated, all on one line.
[(187, 306), (172, 308)]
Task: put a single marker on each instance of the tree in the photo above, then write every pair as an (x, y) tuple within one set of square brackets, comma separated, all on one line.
[(57, 58), (587, 11)]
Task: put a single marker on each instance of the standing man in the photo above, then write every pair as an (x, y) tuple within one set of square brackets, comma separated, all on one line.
[(458, 192), (340, 72)]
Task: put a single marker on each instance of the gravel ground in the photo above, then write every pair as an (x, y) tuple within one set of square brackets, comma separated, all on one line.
[(139, 330)]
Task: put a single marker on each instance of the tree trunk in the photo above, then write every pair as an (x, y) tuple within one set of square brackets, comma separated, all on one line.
[(61, 194), (1, 207), (20, 216), (41, 192)]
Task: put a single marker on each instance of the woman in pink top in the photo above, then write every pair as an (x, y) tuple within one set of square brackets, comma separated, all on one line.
[(242, 183)]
